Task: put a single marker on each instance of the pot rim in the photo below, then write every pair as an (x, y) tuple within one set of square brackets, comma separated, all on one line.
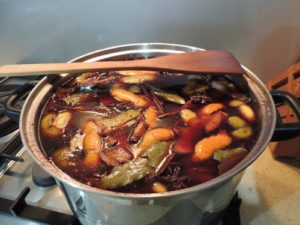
[(32, 145)]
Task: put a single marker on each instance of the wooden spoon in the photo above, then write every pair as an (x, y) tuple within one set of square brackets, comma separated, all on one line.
[(197, 62)]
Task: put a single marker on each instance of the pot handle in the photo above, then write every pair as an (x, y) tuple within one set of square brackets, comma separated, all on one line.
[(285, 131), (9, 108)]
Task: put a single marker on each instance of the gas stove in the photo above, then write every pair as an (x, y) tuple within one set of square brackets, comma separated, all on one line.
[(27, 193)]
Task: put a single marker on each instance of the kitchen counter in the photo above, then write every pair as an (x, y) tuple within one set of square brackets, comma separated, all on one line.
[(270, 192)]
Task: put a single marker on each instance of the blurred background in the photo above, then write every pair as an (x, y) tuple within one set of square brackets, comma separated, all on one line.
[(263, 35)]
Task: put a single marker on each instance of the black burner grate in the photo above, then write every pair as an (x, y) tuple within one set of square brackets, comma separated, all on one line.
[(9, 150)]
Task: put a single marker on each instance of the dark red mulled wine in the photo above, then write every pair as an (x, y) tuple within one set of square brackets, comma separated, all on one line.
[(147, 131)]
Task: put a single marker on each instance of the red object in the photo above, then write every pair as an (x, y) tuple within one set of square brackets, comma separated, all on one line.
[(200, 174), (188, 136)]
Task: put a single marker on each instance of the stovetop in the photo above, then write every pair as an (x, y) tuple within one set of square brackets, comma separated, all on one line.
[(19, 177), (21, 199)]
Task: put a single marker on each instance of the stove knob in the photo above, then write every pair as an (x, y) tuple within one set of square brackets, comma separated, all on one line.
[(41, 178)]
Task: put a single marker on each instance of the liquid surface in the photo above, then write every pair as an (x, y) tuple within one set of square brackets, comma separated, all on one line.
[(144, 132)]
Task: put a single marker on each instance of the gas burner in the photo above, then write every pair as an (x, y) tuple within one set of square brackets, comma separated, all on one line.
[(41, 178), (13, 92), (31, 214), (7, 125), (9, 151)]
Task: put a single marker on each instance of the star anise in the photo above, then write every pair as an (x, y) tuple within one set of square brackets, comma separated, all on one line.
[(173, 177)]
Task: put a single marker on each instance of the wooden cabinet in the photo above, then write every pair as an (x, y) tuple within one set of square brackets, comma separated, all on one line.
[(288, 81)]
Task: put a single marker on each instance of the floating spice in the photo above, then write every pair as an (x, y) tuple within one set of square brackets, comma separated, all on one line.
[(120, 119), (52, 124), (127, 96), (171, 97), (205, 148), (138, 79), (136, 169), (153, 136), (243, 132), (222, 155)]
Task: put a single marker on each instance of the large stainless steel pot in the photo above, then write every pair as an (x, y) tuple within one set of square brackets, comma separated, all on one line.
[(202, 204)]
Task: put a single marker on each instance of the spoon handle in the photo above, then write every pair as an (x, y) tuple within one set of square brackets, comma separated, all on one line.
[(197, 62)]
